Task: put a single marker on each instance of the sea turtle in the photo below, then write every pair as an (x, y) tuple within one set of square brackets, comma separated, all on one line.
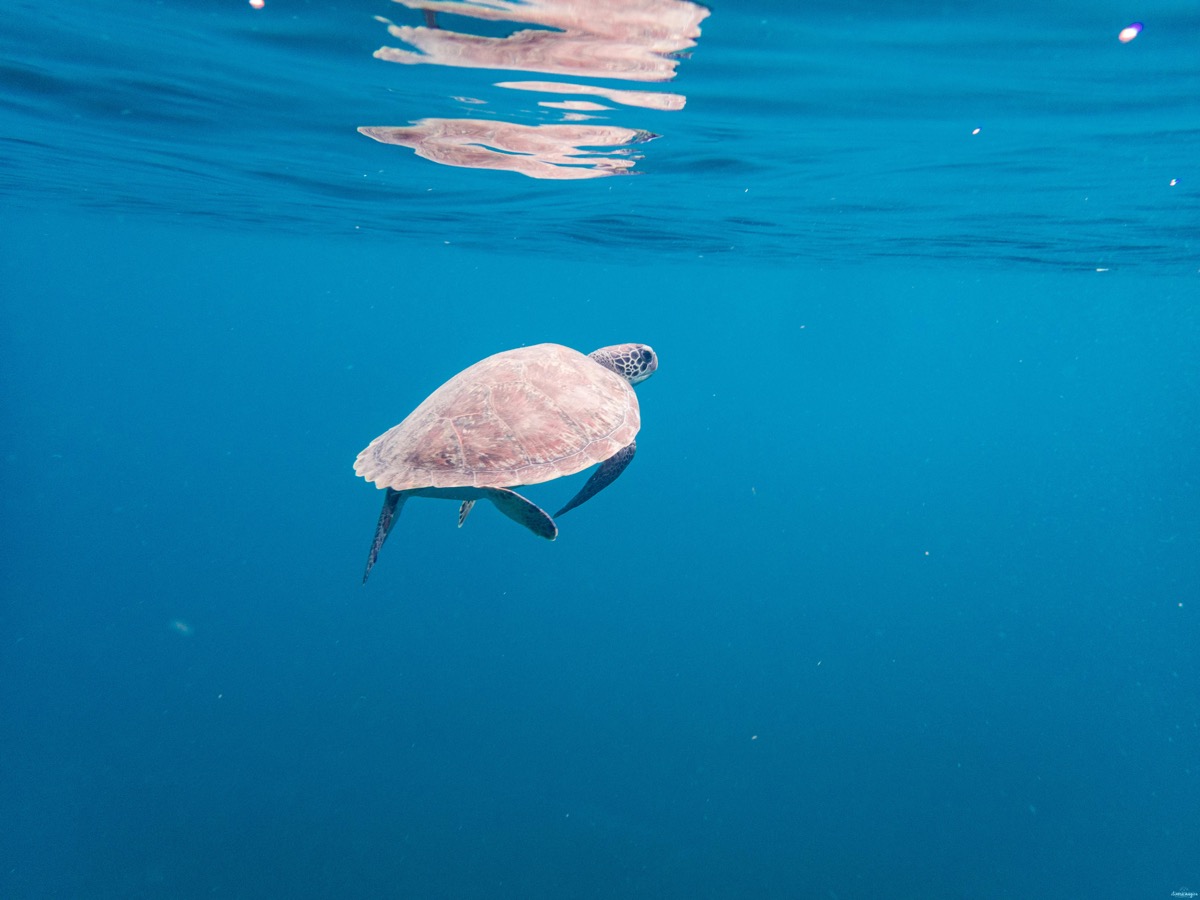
[(520, 417)]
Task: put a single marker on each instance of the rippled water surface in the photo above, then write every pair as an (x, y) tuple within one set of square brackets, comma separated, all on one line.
[(997, 134)]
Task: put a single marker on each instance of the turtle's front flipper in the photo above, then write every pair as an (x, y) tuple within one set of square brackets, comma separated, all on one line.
[(463, 511), (608, 472), (392, 504), (524, 511)]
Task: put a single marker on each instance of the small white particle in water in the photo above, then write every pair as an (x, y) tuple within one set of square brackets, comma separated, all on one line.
[(1129, 32)]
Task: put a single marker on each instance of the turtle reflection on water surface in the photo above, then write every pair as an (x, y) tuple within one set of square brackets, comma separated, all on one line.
[(520, 417)]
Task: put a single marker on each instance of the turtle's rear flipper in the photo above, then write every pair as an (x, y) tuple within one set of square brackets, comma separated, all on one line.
[(608, 472), (524, 511), (392, 504), (463, 511)]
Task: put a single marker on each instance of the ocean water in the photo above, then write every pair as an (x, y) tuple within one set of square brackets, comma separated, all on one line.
[(900, 598)]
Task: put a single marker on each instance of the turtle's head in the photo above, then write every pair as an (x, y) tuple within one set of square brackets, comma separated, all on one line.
[(633, 362)]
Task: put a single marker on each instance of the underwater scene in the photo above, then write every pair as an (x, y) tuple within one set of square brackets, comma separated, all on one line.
[(771, 433)]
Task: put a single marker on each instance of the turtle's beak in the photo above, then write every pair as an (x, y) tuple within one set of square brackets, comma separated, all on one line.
[(645, 363)]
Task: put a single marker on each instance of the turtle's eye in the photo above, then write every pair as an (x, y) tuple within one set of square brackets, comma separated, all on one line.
[(646, 357)]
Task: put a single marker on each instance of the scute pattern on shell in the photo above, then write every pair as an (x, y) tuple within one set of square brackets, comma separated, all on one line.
[(520, 417)]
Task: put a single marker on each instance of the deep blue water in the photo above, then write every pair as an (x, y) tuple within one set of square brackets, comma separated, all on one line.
[(898, 600)]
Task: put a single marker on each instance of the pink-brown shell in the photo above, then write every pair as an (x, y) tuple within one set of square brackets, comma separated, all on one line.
[(520, 417)]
